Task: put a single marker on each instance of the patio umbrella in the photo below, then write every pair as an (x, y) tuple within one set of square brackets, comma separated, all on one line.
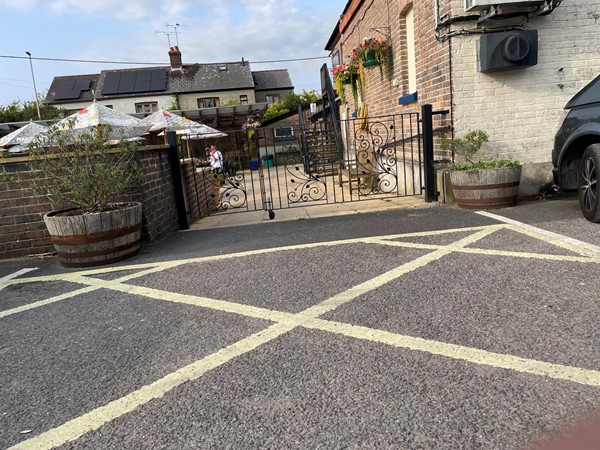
[(96, 116), (167, 121), (202, 131), (24, 135), (162, 120), (186, 128)]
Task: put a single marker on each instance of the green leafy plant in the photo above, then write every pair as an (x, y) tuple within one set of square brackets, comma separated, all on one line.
[(84, 170), (249, 127), (343, 74), (465, 149), (380, 47), (290, 103)]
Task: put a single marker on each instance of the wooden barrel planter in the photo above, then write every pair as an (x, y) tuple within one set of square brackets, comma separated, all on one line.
[(96, 239), (486, 188)]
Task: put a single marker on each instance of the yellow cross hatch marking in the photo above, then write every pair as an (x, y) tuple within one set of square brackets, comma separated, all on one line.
[(309, 318)]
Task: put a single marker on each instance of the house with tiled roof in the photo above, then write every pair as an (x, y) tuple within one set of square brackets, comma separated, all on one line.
[(271, 86), (220, 94)]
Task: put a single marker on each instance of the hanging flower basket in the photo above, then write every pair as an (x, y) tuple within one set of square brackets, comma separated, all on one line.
[(373, 52), (370, 59), (342, 75)]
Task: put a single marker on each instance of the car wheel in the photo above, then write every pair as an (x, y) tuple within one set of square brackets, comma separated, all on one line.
[(589, 190)]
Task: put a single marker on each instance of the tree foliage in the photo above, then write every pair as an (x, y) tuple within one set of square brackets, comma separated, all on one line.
[(24, 111), (83, 169), (290, 103)]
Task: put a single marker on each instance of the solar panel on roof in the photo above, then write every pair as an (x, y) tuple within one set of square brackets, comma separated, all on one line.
[(82, 84), (142, 85), (64, 90), (159, 74), (158, 85), (135, 81), (127, 82), (111, 83), (144, 75), (71, 89)]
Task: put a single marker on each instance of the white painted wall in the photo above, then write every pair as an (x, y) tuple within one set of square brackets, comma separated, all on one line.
[(521, 109), (190, 101), (125, 105)]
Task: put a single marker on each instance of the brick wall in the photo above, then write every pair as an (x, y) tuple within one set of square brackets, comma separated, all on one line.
[(197, 188), (156, 193), (374, 17), (521, 109), (22, 229)]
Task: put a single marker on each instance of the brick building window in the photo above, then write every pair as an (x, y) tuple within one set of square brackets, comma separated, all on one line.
[(283, 134), (243, 99), (208, 102), (146, 108), (335, 59)]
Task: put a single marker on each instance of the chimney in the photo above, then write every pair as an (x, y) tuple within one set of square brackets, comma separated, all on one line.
[(175, 57)]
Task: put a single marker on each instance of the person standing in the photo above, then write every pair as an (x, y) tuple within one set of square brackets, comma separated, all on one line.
[(215, 159)]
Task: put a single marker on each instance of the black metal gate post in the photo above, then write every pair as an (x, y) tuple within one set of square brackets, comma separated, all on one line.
[(177, 183), (427, 123)]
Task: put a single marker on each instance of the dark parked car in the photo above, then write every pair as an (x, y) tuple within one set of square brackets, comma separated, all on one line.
[(576, 154)]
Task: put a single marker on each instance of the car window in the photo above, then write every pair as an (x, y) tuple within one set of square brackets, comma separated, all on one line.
[(589, 94)]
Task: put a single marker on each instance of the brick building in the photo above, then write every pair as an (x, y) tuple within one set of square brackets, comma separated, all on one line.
[(445, 52)]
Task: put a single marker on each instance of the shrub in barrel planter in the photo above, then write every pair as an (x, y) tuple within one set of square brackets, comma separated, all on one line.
[(83, 170), (485, 183)]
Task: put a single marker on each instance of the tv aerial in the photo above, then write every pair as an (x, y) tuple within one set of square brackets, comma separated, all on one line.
[(169, 33)]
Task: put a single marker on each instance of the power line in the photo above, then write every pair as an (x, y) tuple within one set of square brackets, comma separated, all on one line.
[(150, 63)]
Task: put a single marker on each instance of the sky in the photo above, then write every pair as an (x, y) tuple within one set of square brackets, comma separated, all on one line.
[(134, 31)]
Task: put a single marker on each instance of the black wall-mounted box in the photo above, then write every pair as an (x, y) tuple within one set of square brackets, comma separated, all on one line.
[(507, 50)]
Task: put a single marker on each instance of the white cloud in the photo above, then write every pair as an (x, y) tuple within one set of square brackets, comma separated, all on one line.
[(18, 5), (130, 9)]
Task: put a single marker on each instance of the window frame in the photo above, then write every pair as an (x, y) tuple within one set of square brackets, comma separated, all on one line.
[(283, 137), (214, 102), (275, 98), (152, 107)]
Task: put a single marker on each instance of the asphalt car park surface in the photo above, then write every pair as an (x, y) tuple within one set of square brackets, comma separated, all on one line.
[(423, 328)]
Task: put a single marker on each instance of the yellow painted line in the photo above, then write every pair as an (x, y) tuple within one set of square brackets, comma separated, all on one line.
[(541, 256), (95, 419), (374, 283), (203, 302), (472, 355), (179, 262), (98, 417), (557, 240), (402, 244), (48, 301), (554, 238), (72, 278)]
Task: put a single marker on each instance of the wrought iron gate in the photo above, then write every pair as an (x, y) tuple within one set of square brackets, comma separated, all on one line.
[(298, 164)]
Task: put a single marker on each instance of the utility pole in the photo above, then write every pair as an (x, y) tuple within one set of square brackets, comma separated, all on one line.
[(37, 102)]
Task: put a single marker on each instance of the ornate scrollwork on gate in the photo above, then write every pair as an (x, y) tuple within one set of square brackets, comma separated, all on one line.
[(302, 186), (233, 192), (375, 159)]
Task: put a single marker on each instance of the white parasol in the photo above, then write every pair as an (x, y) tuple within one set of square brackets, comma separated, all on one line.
[(203, 132), (167, 121), (24, 135), (96, 116), (162, 120)]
